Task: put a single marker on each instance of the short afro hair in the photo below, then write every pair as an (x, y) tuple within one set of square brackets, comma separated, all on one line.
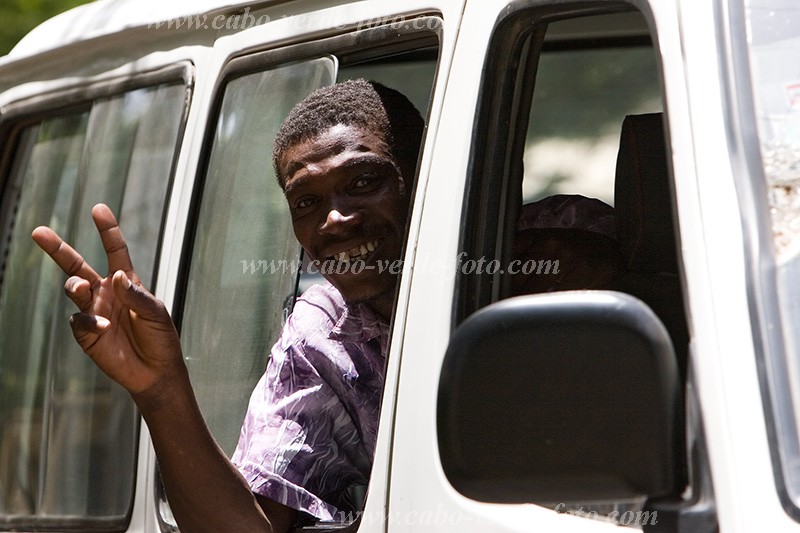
[(383, 111)]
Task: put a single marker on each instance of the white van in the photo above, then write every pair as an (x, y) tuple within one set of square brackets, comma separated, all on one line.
[(668, 401)]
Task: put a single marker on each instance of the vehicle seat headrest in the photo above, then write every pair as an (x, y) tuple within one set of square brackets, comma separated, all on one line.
[(642, 198)]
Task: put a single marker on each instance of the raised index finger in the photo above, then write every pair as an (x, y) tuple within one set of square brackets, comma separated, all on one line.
[(65, 256), (113, 242)]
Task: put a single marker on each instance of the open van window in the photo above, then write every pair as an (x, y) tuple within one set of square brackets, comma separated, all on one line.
[(242, 250)]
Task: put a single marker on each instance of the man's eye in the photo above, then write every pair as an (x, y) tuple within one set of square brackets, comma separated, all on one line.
[(304, 203), (365, 181)]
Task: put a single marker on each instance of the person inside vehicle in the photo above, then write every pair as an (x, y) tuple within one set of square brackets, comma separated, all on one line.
[(345, 157), (576, 231)]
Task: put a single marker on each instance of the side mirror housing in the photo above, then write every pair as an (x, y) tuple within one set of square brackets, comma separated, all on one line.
[(563, 397)]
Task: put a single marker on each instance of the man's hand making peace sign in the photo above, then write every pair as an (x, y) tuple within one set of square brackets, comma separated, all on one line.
[(130, 336), (120, 325)]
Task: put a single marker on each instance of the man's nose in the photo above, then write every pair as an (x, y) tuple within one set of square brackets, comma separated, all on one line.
[(340, 220)]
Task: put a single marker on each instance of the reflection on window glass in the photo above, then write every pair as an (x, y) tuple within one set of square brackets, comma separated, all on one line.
[(68, 434), (774, 44), (245, 257)]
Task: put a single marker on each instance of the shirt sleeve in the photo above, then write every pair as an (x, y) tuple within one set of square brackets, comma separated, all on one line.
[(296, 436)]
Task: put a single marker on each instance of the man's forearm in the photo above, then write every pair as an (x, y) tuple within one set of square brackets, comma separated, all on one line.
[(205, 491)]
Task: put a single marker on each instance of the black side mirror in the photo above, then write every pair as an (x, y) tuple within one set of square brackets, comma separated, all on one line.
[(563, 397)]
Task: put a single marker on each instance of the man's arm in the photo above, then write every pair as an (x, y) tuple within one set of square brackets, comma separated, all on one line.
[(206, 492), (129, 334)]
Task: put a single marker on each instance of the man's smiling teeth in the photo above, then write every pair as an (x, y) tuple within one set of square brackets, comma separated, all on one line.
[(357, 251)]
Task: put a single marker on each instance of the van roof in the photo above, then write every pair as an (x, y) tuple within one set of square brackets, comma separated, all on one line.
[(104, 17)]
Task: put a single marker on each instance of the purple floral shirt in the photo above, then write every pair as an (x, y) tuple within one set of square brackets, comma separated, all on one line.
[(308, 437)]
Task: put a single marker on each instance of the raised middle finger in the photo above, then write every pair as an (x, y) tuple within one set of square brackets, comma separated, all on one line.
[(113, 242)]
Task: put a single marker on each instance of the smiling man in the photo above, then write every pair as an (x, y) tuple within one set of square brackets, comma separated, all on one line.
[(345, 157), (348, 204), (342, 157)]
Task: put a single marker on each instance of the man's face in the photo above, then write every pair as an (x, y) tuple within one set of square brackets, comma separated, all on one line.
[(348, 203)]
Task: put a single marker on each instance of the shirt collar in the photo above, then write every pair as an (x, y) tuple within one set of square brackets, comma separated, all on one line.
[(360, 324)]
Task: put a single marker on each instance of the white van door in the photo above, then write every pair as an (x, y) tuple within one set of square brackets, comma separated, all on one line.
[(548, 86)]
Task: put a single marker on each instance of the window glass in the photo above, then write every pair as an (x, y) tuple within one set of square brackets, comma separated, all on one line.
[(69, 434), (773, 44), (774, 41), (245, 258)]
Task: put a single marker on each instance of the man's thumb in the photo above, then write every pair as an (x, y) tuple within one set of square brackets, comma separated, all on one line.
[(136, 297)]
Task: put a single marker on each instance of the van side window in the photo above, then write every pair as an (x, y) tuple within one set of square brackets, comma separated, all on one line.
[(565, 237), (243, 265), (571, 185), (69, 434)]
